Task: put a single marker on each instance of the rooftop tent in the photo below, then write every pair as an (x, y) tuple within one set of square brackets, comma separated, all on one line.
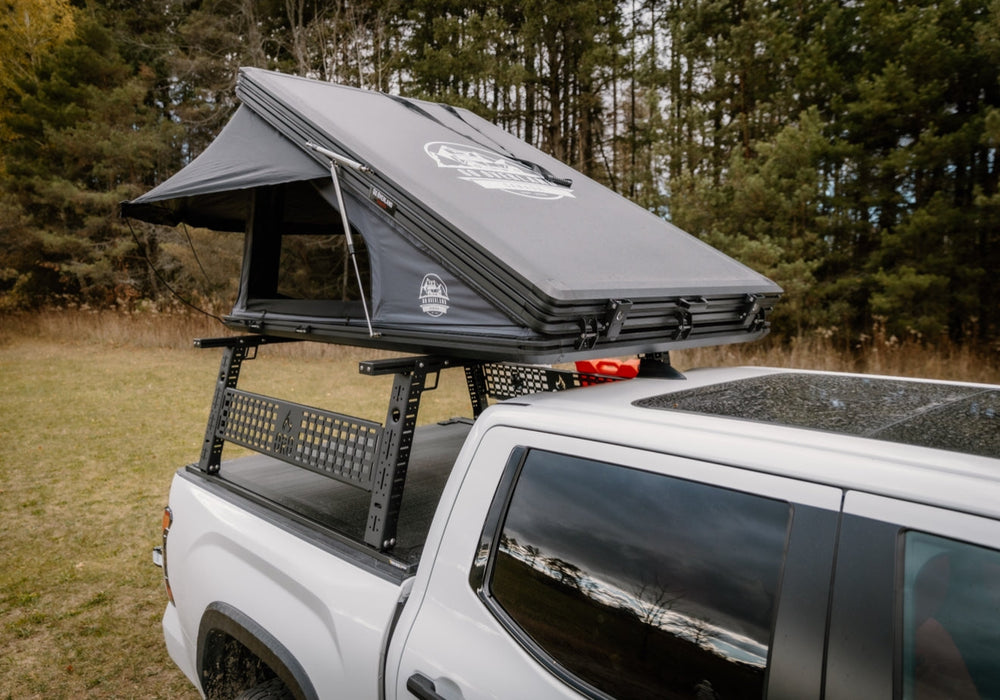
[(473, 242)]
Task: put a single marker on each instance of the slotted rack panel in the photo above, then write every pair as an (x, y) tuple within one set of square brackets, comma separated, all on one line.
[(334, 444), (508, 381)]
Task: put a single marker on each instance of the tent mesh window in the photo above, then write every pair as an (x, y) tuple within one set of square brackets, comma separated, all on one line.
[(319, 267)]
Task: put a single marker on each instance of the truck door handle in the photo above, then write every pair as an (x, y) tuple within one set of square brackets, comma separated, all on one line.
[(422, 687)]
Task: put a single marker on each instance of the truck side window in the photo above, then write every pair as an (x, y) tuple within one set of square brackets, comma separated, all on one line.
[(636, 584), (951, 619)]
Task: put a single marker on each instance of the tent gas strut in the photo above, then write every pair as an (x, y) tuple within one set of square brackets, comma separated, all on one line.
[(337, 160)]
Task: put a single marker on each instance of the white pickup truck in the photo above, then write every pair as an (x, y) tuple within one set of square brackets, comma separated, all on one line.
[(736, 533)]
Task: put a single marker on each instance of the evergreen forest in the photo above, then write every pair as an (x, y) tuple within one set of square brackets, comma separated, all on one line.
[(848, 149)]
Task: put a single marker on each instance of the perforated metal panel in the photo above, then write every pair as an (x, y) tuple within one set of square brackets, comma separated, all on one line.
[(505, 381), (333, 444)]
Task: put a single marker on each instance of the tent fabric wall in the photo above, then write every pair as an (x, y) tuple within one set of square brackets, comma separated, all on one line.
[(410, 287)]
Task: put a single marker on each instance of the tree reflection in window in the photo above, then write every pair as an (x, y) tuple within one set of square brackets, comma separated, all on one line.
[(640, 585)]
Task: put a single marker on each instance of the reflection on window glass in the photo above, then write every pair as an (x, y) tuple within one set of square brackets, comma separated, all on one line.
[(951, 620), (641, 585)]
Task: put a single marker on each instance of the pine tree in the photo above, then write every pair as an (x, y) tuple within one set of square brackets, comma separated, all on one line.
[(79, 140)]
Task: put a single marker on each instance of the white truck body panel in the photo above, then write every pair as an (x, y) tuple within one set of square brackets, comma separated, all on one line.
[(339, 620), (330, 615), (444, 610)]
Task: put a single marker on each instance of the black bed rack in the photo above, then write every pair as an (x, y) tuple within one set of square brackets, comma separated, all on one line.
[(363, 453)]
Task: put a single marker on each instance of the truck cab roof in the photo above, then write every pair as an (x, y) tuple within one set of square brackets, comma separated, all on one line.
[(933, 442)]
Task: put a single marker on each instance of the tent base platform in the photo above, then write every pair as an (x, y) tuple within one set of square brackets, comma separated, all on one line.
[(650, 328)]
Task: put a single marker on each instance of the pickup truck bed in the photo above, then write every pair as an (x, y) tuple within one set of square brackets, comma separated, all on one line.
[(344, 508)]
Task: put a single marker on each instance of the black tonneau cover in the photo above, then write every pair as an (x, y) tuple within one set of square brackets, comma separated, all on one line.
[(475, 243)]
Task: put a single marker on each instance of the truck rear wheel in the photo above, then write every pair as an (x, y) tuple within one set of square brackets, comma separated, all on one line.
[(272, 689)]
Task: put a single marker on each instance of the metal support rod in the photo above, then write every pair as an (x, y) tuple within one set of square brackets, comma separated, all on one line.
[(339, 159), (336, 161)]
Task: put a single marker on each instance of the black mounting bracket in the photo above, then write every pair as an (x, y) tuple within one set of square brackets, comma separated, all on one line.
[(237, 349), (409, 383)]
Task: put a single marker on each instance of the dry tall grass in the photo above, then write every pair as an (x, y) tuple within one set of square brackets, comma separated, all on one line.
[(951, 362), (875, 353), (145, 329)]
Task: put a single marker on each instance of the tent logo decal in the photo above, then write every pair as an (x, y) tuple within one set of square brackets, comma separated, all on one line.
[(433, 296), (492, 171)]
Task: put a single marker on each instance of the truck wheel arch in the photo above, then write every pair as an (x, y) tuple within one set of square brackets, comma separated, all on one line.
[(231, 643)]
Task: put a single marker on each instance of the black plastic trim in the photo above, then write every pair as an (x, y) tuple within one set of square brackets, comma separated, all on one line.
[(863, 628), (223, 618), (798, 642), (494, 518)]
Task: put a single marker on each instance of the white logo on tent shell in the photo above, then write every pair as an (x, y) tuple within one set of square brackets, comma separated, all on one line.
[(433, 295), (493, 171)]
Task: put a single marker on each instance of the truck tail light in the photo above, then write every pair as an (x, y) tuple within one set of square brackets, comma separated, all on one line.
[(168, 520)]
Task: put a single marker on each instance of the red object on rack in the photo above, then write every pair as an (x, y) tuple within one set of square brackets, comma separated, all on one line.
[(626, 369)]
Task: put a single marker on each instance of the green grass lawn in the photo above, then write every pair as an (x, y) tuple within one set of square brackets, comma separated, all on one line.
[(96, 414), (97, 411), (91, 436)]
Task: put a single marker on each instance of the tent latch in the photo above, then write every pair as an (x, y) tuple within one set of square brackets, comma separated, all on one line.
[(685, 324), (618, 310), (754, 317), (608, 327)]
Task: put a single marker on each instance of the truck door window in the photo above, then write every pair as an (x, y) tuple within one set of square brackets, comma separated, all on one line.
[(638, 585), (951, 619)]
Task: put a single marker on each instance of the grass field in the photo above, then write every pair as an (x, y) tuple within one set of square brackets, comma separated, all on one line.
[(97, 410)]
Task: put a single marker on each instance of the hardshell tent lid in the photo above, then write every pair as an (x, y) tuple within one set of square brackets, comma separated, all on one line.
[(474, 243)]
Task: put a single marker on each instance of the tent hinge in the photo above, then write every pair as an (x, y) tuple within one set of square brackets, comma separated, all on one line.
[(589, 332)]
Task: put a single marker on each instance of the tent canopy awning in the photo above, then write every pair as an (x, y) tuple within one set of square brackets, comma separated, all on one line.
[(213, 191), (474, 242)]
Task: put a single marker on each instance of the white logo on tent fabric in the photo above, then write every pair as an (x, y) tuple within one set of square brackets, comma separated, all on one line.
[(433, 296), (493, 171)]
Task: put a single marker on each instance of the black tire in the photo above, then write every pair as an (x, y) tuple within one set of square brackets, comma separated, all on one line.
[(273, 689)]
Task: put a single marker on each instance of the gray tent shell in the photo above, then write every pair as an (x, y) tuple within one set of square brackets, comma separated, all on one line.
[(476, 244)]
